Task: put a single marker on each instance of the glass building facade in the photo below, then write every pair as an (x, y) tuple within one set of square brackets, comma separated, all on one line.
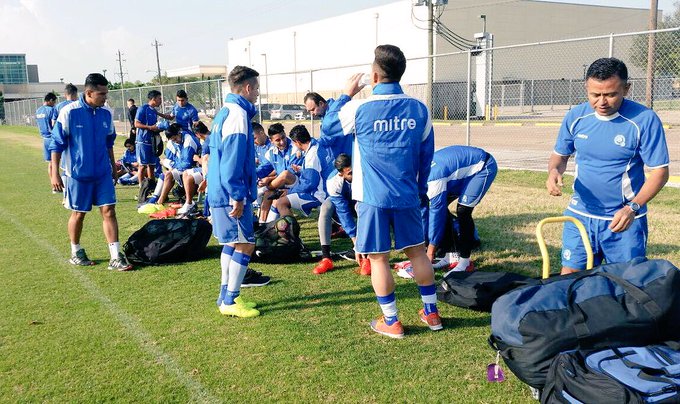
[(13, 69)]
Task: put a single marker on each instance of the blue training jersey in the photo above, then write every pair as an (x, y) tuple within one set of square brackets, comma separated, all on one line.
[(393, 147), (146, 115), (232, 154), (338, 144), (452, 167), (84, 135), (61, 105), (44, 116), (280, 160), (260, 153), (611, 152), (340, 193), (185, 116), (181, 155), (317, 165)]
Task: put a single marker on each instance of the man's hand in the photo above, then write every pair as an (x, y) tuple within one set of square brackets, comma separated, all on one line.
[(430, 252), (57, 183), (554, 183), (622, 220), (264, 181), (202, 186), (354, 85), (296, 167), (153, 128), (236, 209)]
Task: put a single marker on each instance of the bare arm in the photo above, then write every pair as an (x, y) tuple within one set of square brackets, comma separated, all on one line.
[(112, 159), (653, 184), (140, 125), (57, 183), (556, 167)]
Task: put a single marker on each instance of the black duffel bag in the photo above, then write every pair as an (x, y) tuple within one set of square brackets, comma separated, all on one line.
[(623, 304), (168, 240), (478, 290)]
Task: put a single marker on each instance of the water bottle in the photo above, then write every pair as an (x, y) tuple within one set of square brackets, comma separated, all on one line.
[(366, 79)]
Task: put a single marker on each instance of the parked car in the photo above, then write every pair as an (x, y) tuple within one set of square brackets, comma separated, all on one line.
[(286, 111), (302, 116), (266, 110)]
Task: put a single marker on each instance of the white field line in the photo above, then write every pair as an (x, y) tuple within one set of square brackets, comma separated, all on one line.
[(198, 393)]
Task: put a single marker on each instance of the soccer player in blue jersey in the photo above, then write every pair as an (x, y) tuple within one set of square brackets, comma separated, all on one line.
[(392, 152), (185, 114), (457, 172), (45, 117), (84, 135), (233, 188), (128, 173), (180, 150), (70, 95), (613, 139), (145, 122)]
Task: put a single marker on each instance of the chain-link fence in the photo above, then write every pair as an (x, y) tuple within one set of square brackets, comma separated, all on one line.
[(508, 100)]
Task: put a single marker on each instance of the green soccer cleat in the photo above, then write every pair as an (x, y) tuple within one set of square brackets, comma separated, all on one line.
[(250, 305), (238, 310)]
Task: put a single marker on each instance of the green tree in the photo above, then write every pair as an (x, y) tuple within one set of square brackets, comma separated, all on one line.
[(667, 47)]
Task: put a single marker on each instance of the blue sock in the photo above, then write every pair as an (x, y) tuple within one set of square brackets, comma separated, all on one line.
[(428, 294), (225, 260), (237, 270), (388, 305)]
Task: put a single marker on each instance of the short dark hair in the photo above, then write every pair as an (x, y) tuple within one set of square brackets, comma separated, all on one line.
[(70, 89), (314, 96), (605, 68), (128, 142), (257, 127), (49, 97), (240, 75), (94, 80), (201, 128), (182, 94), (300, 134), (132, 100), (391, 62), (275, 129), (153, 94), (342, 161), (173, 130)]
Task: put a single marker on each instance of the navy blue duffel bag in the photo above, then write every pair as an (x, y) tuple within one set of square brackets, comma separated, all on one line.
[(626, 304)]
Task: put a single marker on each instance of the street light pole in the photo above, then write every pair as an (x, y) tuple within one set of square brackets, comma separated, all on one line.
[(266, 78)]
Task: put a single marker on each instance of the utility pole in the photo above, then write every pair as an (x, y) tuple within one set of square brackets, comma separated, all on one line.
[(651, 54), (430, 52), (158, 61), (122, 93)]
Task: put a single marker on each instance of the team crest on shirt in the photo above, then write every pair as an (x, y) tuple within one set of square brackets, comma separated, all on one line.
[(106, 126), (620, 140), (566, 254), (464, 199)]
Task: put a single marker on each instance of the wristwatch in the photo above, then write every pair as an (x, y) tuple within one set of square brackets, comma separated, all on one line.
[(634, 206)]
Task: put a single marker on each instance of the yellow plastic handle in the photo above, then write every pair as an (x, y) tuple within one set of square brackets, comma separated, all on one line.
[(544, 249)]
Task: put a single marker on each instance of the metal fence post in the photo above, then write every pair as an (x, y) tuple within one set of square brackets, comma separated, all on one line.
[(469, 96)]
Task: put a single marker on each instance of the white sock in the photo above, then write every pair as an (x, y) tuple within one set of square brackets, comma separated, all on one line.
[(271, 216), (113, 249), (225, 260), (75, 248), (463, 263)]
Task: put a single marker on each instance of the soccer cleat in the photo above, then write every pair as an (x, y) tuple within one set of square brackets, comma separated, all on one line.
[(120, 263), (175, 205), (253, 279), (164, 214), (365, 267), (149, 208), (396, 330), (432, 320), (325, 265), (348, 255), (250, 305), (454, 268), (238, 310), (406, 273), (340, 233), (186, 208), (80, 259)]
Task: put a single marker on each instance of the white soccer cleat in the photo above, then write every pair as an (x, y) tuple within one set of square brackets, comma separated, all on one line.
[(185, 208)]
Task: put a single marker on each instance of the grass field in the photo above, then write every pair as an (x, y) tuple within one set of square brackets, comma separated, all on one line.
[(154, 335)]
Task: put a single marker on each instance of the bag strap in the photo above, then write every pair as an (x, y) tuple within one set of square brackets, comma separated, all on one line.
[(649, 373), (642, 298)]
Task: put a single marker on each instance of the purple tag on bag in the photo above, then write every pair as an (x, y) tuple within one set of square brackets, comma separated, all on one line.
[(494, 373)]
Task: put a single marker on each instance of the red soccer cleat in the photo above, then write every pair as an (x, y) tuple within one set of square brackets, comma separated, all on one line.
[(325, 265), (395, 330), (432, 320), (365, 267)]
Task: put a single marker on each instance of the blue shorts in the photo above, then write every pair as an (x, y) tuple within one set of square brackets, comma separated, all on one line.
[(81, 195), (229, 230), (473, 190), (374, 225), (607, 245), (303, 202), (145, 154), (46, 148)]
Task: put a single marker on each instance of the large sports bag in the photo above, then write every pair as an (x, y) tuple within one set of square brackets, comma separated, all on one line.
[(478, 290), (168, 240), (279, 242), (624, 304), (648, 374)]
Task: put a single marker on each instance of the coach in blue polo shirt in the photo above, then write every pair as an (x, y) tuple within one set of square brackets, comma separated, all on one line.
[(613, 138)]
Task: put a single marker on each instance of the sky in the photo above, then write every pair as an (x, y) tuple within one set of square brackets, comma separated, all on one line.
[(68, 39)]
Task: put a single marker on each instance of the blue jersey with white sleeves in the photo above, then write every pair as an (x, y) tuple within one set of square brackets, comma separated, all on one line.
[(128, 158), (260, 153), (61, 105), (393, 147), (45, 115), (611, 152), (146, 115), (340, 193), (181, 155), (452, 167), (232, 154), (185, 116), (281, 160), (337, 144), (316, 167), (84, 135)]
